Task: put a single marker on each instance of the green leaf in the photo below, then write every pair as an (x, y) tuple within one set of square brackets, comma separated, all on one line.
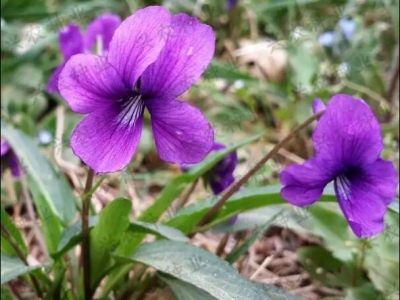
[(106, 234), (15, 234), (324, 267), (244, 200), (51, 224), (219, 69), (237, 252), (172, 191), (185, 291), (364, 292), (12, 267), (131, 240), (72, 235), (5, 294), (198, 267), (53, 186)]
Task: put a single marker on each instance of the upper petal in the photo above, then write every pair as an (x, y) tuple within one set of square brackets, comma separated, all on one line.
[(318, 105), (348, 132), (365, 195), (181, 132), (138, 41), (304, 184), (103, 26), (89, 81), (107, 138), (71, 41), (189, 49)]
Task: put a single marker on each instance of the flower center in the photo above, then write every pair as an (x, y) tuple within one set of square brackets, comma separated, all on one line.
[(344, 180), (131, 109)]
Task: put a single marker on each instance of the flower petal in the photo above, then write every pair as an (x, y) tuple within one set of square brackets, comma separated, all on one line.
[(52, 85), (318, 105), (107, 138), (189, 50), (71, 41), (138, 41), (89, 81), (364, 197), (304, 184), (103, 26), (14, 165), (219, 183), (5, 147), (348, 132), (181, 132)]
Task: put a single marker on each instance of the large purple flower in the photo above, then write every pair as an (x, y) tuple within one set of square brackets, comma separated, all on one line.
[(153, 58), (10, 159), (73, 42), (221, 175), (348, 145)]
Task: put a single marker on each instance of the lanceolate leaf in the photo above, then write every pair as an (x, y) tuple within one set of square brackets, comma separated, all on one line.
[(15, 235), (12, 267), (198, 267), (52, 185)]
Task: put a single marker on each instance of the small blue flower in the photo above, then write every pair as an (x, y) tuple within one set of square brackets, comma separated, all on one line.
[(348, 27), (327, 39), (45, 137)]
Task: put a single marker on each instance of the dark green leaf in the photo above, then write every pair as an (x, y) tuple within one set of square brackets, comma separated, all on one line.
[(106, 234), (15, 234), (12, 267), (198, 267), (185, 291)]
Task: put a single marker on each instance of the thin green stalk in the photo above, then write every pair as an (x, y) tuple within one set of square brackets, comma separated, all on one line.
[(235, 186)]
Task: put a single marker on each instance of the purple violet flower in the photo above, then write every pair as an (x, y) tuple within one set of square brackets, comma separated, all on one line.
[(10, 159), (230, 4), (73, 42), (318, 106), (348, 144), (221, 175), (152, 59), (327, 39)]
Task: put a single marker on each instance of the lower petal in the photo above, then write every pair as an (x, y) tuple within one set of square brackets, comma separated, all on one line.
[(181, 132), (106, 139), (364, 198), (219, 183), (304, 184)]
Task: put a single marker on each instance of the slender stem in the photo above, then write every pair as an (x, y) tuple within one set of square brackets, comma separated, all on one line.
[(85, 235), (32, 216), (235, 186), (21, 255)]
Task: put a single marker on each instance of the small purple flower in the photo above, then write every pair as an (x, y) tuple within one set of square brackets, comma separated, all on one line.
[(144, 68), (221, 175), (10, 159), (348, 144), (230, 4), (73, 42), (318, 106)]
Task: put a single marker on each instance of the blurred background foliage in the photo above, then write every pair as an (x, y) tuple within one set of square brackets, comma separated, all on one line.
[(272, 59)]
